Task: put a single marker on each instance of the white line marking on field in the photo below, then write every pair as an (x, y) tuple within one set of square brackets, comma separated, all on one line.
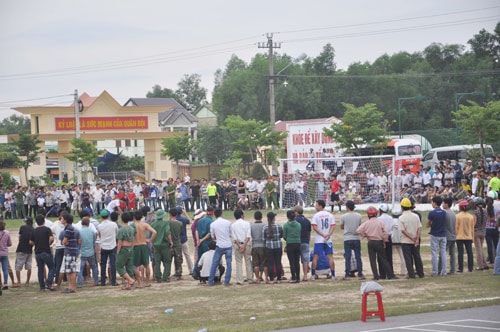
[(450, 323), (470, 327), (416, 329)]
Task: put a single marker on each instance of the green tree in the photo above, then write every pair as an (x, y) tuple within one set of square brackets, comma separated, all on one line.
[(316, 88), (7, 158), (441, 56), (212, 145), (85, 155), (189, 92), (15, 124), (27, 149), (487, 45), (159, 92), (8, 181), (232, 167), (359, 126), (249, 137), (479, 123), (324, 63), (177, 147), (123, 163)]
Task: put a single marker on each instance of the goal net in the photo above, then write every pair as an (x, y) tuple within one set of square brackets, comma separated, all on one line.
[(365, 180)]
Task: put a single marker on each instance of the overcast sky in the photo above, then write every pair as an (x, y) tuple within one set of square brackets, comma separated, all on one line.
[(50, 48)]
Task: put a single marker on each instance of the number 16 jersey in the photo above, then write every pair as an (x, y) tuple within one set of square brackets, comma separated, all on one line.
[(324, 220)]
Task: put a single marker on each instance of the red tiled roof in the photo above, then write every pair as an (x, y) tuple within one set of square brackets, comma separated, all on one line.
[(86, 99)]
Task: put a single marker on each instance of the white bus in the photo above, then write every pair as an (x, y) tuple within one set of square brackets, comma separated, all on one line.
[(407, 153)]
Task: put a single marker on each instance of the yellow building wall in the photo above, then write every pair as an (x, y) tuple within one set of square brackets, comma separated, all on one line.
[(43, 122)]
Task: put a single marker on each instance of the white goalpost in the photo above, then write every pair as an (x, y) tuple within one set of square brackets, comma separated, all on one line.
[(365, 180)]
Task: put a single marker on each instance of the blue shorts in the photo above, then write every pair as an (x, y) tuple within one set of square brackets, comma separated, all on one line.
[(304, 253), (323, 249)]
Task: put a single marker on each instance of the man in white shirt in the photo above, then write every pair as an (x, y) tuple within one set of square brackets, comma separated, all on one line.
[(323, 224), (114, 205), (437, 178), (389, 225), (98, 195), (242, 246), (426, 178), (382, 179), (252, 188), (260, 192), (342, 178), (326, 172), (405, 178), (57, 228), (220, 231), (205, 263), (78, 225), (108, 231), (299, 189), (64, 198)]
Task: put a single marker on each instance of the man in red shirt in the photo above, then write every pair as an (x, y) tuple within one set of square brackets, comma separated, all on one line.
[(121, 195), (335, 192), (131, 200)]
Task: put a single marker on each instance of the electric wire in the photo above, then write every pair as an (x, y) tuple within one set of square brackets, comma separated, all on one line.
[(33, 99), (65, 72), (389, 21), (197, 52), (394, 30), (486, 72)]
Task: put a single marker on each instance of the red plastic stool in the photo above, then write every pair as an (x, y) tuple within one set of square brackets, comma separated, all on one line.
[(364, 307)]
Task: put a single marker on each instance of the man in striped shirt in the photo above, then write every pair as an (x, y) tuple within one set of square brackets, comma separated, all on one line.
[(71, 241)]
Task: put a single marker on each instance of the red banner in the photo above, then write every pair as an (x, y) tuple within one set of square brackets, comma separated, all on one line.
[(103, 123)]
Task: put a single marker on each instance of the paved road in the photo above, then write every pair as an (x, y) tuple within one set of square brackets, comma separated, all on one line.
[(462, 320)]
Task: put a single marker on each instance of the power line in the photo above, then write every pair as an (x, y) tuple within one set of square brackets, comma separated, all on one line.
[(131, 64), (389, 21), (486, 72), (33, 99), (213, 49), (395, 30)]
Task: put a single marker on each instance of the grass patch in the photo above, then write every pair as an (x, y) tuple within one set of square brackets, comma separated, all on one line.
[(230, 308)]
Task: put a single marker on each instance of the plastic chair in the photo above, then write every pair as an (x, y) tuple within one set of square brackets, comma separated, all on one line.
[(364, 307)]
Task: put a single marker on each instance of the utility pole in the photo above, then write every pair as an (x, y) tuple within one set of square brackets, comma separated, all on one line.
[(77, 134), (77, 115), (270, 45)]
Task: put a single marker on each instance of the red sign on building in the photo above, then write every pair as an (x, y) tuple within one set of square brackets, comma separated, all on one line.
[(103, 123)]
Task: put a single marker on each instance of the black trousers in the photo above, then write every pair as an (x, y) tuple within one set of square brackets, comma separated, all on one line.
[(376, 251), (412, 255), (293, 253), (388, 255), (470, 257), (274, 267)]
